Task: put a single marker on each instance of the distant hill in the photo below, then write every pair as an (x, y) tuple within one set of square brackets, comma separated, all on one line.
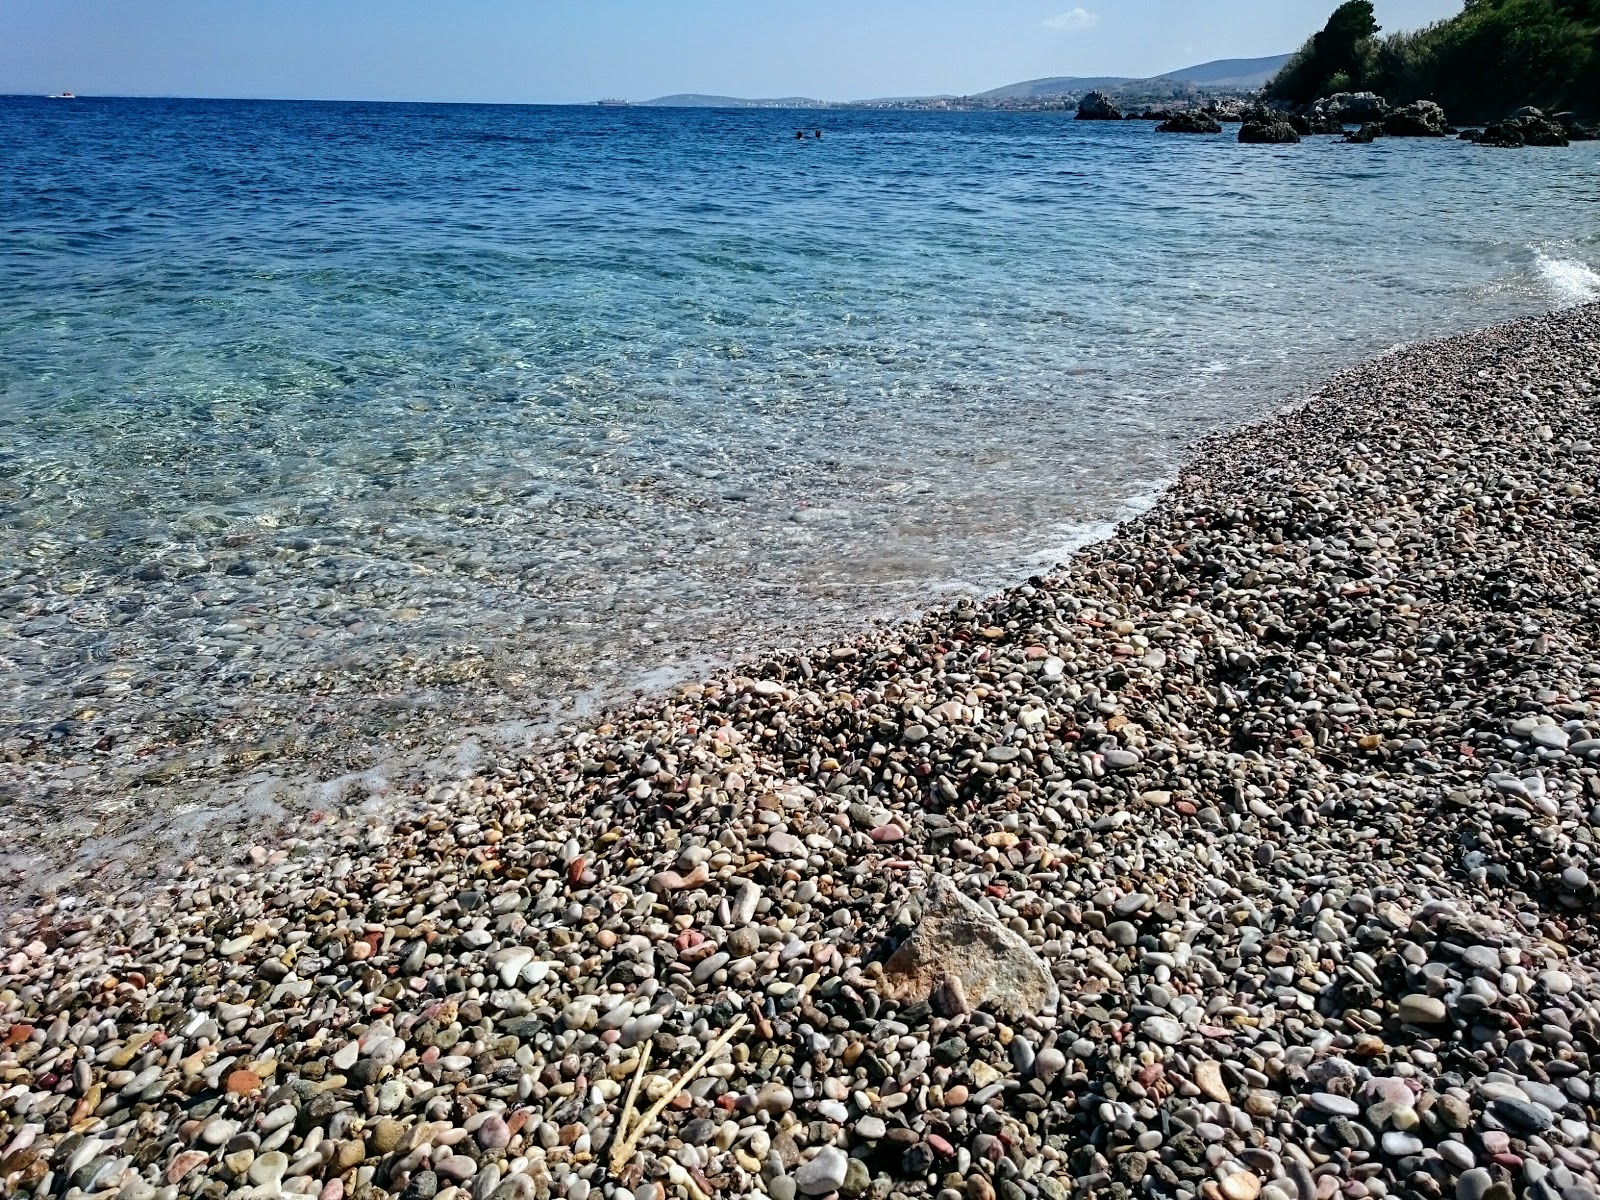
[(1224, 74), (1056, 85), (1236, 73)]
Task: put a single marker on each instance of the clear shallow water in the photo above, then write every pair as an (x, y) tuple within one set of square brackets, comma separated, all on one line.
[(327, 430)]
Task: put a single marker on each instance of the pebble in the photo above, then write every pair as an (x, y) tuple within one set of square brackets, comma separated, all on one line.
[(823, 1173), (1422, 1010)]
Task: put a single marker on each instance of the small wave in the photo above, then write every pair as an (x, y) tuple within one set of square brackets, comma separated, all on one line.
[(1572, 281)]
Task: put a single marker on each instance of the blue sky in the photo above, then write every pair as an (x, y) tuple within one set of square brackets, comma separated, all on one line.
[(581, 50)]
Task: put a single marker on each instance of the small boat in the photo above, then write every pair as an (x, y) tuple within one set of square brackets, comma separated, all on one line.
[(63, 96), (613, 103)]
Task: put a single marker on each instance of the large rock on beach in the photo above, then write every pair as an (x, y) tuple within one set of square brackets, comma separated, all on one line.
[(1097, 106), (956, 940)]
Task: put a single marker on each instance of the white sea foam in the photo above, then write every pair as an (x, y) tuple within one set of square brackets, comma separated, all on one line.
[(1572, 281)]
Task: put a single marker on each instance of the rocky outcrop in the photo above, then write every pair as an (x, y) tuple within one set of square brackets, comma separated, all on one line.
[(1526, 127), (1576, 130), (1097, 106), (1267, 132), (1323, 123), (1189, 122), (1366, 135), (1350, 108), (1421, 118), (961, 957)]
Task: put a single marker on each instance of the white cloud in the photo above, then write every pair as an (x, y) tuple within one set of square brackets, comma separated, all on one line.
[(1078, 18)]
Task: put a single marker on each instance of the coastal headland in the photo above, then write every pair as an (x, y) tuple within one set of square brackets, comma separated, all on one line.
[(1251, 854)]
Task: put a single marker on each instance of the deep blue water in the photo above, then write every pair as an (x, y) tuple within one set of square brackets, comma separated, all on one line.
[(315, 417)]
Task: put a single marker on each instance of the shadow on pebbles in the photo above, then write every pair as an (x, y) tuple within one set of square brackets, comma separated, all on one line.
[(1251, 855)]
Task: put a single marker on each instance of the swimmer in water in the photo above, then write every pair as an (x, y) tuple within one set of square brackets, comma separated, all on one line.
[(819, 135), (800, 135)]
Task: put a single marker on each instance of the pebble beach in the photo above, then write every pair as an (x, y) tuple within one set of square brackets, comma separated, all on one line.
[(1250, 855)]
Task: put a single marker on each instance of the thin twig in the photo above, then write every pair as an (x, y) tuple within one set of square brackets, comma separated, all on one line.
[(633, 1094), (624, 1150)]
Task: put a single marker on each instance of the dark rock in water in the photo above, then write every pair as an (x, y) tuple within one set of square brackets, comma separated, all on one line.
[(1301, 125), (1527, 127), (1189, 122), (1267, 133), (1368, 133), (1350, 108), (1151, 114), (1324, 123), (1097, 106), (1422, 118), (1577, 131)]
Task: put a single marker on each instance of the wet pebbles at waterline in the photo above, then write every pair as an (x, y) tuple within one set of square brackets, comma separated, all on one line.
[(1251, 855)]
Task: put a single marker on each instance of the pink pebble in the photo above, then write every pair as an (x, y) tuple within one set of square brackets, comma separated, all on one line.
[(183, 1164)]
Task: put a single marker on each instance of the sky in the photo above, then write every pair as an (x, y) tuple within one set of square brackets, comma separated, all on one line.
[(575, 51)]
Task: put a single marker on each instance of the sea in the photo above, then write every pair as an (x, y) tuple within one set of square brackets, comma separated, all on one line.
[(347, 447)]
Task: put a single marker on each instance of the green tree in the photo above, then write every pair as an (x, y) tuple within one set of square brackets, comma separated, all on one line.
[(1343, 51), (1495, 56)]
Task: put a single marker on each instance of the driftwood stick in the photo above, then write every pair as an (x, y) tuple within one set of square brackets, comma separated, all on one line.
[(633, 1093), (624, 1150)]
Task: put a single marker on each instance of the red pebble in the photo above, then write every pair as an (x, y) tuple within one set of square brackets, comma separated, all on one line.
[(941, 1147)]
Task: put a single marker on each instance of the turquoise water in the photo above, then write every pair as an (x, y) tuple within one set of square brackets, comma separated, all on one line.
[(327, 430)]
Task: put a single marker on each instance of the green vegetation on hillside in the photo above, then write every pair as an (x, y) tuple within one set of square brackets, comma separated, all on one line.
[(1495, 56)]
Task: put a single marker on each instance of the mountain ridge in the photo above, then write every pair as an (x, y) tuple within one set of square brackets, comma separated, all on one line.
[(1227, 73)]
